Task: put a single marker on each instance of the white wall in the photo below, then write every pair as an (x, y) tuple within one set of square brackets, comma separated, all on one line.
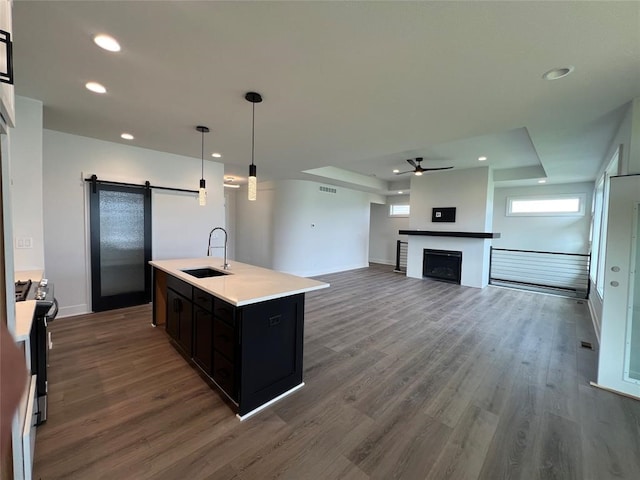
[(383, 234), (295, 228), (468, 190), (230, 202), (471, 192), (254, 226), (567, 234), (180, 226), (26, 174)]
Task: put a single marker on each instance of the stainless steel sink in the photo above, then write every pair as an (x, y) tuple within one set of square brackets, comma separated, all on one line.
[(204, 272)]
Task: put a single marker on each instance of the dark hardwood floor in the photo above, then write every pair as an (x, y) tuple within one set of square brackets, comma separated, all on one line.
[(405, 379)]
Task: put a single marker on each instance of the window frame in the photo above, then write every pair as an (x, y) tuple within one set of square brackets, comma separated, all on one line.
[(582, 198)]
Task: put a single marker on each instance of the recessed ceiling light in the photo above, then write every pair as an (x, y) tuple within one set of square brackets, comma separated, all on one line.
[(96, 87), (229, 185), (127, 136), (216, 155), (107, 42), (556, 73), (396, 171), (542, 181), (400, 192), (482, 159)]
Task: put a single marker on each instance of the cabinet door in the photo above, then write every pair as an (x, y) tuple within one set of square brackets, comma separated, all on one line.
[(203, 339), (224, 375), (224, 339), (185, 328), (271, 363), (179, 321), (173, 314)]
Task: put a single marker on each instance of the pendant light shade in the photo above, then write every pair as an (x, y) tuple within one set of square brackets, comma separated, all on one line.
[(254, 98), (202, 191)]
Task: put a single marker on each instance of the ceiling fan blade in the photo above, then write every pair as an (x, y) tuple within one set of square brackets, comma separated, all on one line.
[(412, 163), (440, 168), (408, 171)]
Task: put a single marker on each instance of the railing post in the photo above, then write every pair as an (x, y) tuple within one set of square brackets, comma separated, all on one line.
[(397, 255)]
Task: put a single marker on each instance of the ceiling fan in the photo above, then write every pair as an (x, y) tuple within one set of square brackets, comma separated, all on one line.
[(418, 169)]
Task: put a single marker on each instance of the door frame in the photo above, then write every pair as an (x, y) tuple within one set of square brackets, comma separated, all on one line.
[(618, 279), (98, 302)]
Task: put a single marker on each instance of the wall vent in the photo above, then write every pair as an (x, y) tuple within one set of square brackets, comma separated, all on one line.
[(328, 190)]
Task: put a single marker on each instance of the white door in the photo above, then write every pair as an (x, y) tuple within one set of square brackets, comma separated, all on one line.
[(619, 364)]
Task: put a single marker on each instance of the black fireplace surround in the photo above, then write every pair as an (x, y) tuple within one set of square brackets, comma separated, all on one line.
[(443, 265)]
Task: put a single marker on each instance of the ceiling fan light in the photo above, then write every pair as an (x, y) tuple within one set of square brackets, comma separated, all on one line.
[(418, 173)]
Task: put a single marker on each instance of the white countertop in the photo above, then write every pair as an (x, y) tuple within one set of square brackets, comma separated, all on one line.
[(25, 310), (245, 284)]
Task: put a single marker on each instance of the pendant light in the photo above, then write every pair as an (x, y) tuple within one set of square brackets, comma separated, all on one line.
[(254, 98), (202, 192)]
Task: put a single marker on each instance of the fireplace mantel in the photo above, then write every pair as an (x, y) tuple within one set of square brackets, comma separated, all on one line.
[(431, 233)]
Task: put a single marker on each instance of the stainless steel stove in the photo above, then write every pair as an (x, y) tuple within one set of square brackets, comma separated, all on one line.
[(46, 310)]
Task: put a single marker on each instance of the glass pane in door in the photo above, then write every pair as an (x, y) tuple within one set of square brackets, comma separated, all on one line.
[(122, 254)]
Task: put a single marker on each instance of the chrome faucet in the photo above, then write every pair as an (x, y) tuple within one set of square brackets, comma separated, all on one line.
[(226, 265)]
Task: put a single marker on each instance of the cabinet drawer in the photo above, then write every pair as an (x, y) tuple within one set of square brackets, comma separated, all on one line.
[(224, 311), (203, 299), (183, 288), (224, 338), (223, 374)]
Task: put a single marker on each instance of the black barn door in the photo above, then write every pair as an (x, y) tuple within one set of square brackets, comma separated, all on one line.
[(120, 246)]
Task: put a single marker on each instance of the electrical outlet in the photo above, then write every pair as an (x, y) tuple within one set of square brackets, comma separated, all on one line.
[(24, 242)]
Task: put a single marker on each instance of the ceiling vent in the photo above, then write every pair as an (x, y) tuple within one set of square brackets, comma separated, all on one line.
[(328, 190)]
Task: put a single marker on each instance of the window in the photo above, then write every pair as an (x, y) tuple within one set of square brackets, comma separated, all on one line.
[(399, 210), (548, 205)]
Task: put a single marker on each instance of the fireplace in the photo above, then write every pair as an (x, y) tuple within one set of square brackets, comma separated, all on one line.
[(443, 265)]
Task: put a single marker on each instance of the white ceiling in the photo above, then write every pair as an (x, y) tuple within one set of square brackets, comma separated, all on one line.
[(360, 86)]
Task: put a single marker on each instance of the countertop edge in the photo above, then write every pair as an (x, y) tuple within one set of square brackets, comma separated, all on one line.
[(177, 273), (24, 319)]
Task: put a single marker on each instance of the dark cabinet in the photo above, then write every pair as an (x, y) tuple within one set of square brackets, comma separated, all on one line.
[(179, 320), (203, 339), (224, 375), (252, 353), (272, 340)]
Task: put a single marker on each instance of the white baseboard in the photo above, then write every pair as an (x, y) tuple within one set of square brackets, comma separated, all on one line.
[(594, 318), (73, 311)]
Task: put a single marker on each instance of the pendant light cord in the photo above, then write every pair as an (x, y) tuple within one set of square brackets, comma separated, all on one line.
[(202, 155), (253, 130)]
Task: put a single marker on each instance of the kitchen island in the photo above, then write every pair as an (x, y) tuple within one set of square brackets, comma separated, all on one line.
[(241, 328)]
